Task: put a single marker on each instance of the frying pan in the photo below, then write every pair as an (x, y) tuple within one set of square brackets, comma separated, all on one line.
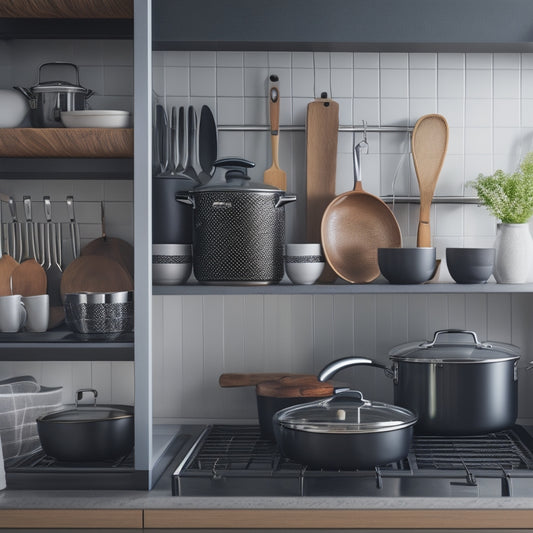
[(354, 225)]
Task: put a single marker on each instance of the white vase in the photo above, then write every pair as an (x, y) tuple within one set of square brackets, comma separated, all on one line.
[(514, 252)]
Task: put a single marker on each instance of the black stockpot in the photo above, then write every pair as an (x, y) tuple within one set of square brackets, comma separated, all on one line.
[(171, 220), (238, 227), (456, 384)]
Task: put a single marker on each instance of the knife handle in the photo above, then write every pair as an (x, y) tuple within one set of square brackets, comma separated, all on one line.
[(273, 94)]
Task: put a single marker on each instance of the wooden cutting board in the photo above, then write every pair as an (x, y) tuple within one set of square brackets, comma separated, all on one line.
[(322, 127), (95, 273)]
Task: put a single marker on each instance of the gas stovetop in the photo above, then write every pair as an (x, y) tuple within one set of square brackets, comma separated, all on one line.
[(235, 461)]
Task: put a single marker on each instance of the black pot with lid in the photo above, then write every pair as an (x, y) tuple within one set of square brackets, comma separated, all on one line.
[(344, 431), (238, 227)]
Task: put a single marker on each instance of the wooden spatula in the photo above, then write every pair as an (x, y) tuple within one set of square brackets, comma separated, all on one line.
[(7, 265), (322, 130), (274, 175), (29, 278), (428, 145)]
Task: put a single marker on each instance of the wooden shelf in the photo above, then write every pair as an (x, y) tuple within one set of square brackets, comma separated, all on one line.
[(66, 142), (70, 9)]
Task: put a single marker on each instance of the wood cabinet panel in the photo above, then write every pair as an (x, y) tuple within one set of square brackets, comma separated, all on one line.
[(339, 518), (104, 9), (71, 518)]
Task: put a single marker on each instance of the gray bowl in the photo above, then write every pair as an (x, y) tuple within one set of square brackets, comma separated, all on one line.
[(407, 265), (470, 265)]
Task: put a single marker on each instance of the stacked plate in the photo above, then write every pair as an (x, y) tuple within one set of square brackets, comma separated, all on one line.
[(95, 118)]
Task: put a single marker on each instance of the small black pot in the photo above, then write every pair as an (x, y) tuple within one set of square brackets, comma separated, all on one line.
[(344, 431), (87, 433)]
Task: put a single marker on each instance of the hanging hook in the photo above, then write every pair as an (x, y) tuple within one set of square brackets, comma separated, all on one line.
[(364, 131), (363, 145)]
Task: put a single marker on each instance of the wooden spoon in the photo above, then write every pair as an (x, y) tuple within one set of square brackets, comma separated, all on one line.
[(7, 265), (112, 247), (429, 145), (274, 175)]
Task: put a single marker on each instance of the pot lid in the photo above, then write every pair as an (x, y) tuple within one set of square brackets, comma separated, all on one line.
[(231, 175), (58, 86), (87, 414), (455, 346), (347, 412)]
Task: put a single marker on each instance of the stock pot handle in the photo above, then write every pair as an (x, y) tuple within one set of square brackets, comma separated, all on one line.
[(335, 366), (476, 342)]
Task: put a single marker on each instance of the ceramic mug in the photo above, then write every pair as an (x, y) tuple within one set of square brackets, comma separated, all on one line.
[(38, 311), (12, 313)]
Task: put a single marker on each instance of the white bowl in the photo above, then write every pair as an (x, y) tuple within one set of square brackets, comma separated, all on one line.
[(13, 108), (171, 263), (95, 118), (304, 262)]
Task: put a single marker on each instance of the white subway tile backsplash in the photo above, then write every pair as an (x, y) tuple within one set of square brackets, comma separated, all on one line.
[(422, 60), (303, 80), (506, 83), (394, 83), (256, 82), (394, 112), (279, 59), (203, 58), (453, 109), (447, 60), (230, 110), (506, 113), (174, 58), (478, 140), (478, 113), (177, 81), (478, 83), (230, 82), (506, 61), (366, 109), (422, 83), (341, 83), (204, 82), (478, 61), (342, 60), (366, 60), (230, 59), (256, 59), (397, 60), (451, 83), (366, 83), (321, 59), (118, 80)]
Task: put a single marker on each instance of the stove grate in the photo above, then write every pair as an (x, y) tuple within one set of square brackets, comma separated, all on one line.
[(504, 450)]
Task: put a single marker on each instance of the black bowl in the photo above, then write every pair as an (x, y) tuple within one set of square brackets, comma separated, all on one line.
[(407, 265), (470, 265)]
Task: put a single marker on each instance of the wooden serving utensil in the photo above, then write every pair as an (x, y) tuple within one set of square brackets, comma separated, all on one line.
[(112, 247), (322, 131), (429, 146), (274, 175), (246, 380), (7, 265), (29, 278)]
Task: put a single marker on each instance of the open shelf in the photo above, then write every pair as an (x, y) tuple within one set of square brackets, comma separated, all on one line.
[(61, 344), (342, 288)]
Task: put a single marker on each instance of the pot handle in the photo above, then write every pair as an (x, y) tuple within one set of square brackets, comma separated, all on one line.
[(286, 199), (60, 63), (476, 342), (335, 366), (184, 198), (79, 395)]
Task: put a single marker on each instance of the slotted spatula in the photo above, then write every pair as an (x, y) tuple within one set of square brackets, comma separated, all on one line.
[(274, 175), (429, 145)]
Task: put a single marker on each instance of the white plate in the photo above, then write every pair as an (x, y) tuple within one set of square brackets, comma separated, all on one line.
[(95, 118)]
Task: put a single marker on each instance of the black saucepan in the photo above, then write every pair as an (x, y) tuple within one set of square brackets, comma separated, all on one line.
[(87, 432), (344, 431)]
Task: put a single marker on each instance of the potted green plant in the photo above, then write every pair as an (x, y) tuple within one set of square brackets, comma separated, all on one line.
[(509, 197)]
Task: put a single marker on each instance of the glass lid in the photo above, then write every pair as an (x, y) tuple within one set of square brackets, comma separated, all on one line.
[(454, 346), (346, 412), (86, 414)]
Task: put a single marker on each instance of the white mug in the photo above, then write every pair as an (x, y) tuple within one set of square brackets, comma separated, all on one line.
[(38, 311), (12, 313)]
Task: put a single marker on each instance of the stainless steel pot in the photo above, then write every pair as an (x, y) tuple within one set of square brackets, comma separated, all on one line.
[(87, 432), (48, 99), (344, 431), (238, 227), (455, 383)]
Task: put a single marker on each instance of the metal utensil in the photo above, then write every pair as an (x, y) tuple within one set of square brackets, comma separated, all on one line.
[(174, 151), (161, 138), (191, 144), (53, 270), (181, 140), (207, 144), (15, 231), (73, 227)]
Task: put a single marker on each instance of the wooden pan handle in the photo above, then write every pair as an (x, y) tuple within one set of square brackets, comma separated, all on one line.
[(246, 380), (423, 238), (273, 98)]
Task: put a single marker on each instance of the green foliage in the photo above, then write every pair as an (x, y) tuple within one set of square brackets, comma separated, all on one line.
[(509, 197)]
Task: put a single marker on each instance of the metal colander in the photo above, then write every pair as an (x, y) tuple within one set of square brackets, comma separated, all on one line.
[(99, 312)]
